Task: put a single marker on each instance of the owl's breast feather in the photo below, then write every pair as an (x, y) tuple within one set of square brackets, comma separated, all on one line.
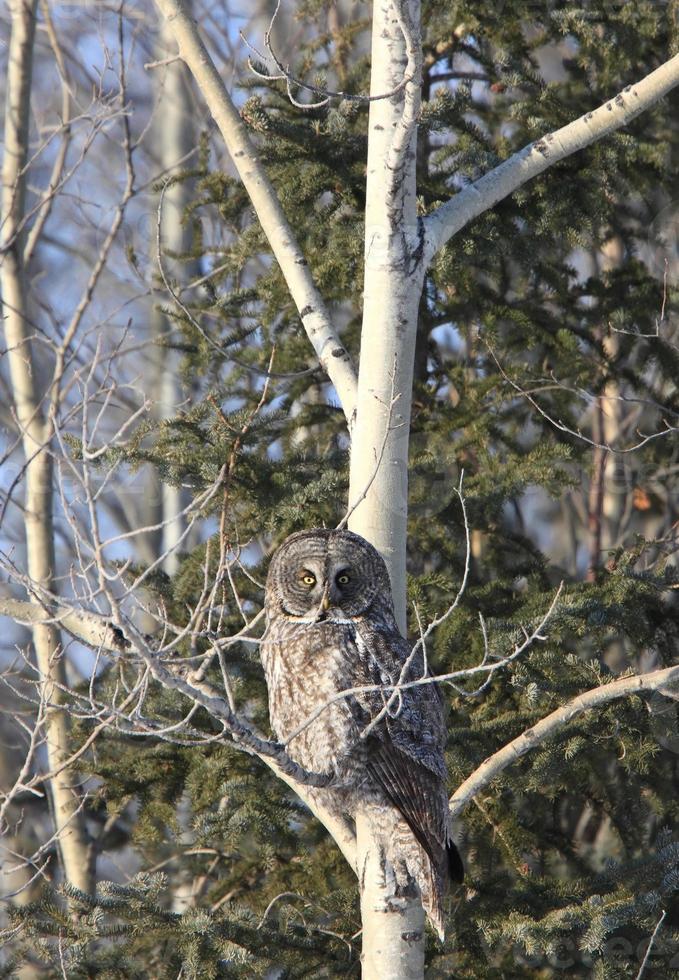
[(306, 667)]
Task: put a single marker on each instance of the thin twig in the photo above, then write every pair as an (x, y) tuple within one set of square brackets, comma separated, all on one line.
[(650, 945), (285, 73), (558, 424)]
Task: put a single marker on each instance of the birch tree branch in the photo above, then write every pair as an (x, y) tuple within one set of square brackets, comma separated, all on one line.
[(656, 680), (95, 630), (89, 628), (533, 159), (100, 633), (315, 317), (49, 194)]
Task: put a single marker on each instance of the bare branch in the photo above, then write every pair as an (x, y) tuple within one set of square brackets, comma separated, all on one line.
[(576, 433), (646, 958), (284, 72), (89, 628), (533, 159), (657, 680), (60, 161)]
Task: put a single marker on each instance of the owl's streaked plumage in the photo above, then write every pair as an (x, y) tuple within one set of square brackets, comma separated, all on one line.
[(331, 626)]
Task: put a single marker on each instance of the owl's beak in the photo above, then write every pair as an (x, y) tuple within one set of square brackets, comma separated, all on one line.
[(323, 605)]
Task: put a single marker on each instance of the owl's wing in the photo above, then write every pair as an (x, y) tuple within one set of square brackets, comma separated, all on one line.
[(405, 752), (414, 723), (421, 799)]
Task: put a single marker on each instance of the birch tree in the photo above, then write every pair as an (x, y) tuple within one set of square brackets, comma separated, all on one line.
[(171, 670), (35, 419)]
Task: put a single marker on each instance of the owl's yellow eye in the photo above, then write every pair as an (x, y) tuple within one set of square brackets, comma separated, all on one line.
[(343, 579), (308, 579)]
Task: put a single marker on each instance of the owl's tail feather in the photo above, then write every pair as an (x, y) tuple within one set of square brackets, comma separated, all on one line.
[(432, 900), (438, 881), (455, 865)]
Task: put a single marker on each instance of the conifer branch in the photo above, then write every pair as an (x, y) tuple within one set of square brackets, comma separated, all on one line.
[(313, 312), (552, 724), (538, 156)]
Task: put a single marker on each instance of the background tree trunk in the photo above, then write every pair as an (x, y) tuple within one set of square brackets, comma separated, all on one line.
[(176, 139), (35, 430)]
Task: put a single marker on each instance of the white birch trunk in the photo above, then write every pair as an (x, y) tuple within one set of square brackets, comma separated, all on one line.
[(393, 931), (392, 938), (394, 275), (36, 434)]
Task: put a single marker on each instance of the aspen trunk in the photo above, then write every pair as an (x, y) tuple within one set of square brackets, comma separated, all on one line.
[(393, 936), (35, 434), (394, 276), (393, 932)]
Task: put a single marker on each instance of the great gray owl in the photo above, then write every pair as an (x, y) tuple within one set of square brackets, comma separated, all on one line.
[(331, 626)]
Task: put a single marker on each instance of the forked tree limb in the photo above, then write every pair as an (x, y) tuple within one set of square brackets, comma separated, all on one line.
[(99, 632)]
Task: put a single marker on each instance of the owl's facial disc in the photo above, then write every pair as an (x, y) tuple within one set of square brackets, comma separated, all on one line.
[(326, 576), (327, 591), (342, 585), (351, 586)]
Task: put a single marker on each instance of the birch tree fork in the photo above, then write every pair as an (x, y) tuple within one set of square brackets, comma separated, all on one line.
[(35, 433)]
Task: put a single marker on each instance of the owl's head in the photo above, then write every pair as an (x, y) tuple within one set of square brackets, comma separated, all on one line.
[(327, 576)]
